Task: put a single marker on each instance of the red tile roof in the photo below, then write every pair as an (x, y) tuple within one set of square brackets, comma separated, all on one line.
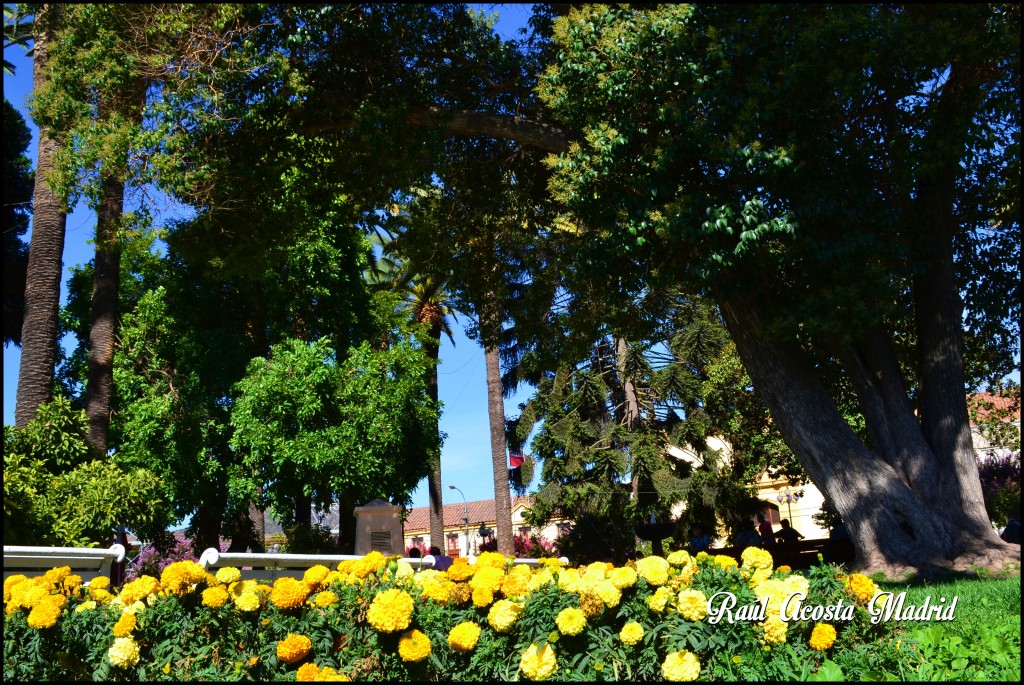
[(479, 511), (983, 401)]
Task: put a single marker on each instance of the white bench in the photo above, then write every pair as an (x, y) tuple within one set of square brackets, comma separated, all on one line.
[(269, 567), (87, 562)]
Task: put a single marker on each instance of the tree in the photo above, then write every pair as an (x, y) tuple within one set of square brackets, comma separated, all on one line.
[(812, 203), (46, 248), (17, 198), (311, 426), (425, 302)]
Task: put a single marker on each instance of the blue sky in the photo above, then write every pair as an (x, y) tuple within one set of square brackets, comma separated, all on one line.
[(462, 384)]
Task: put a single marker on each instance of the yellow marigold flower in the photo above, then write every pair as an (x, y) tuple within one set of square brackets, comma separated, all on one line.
[(774, 630), (293, 648), (215, 597), (692, 605), (822, 637), (100, 595), (460, 594), (328, 674), (58, 574), (9, 584), (439, 590), (326, 598), (71, 583), (653, 569), (680, 667), (517, 581), (248, 601), (413, 646), (125, 625), (44, 615), (289, 593), (775, 590), (487, 577), (492, 559), (759, 576), (503, 615), (334, 577), (180, 576), (569, 580), (369, 564), (861, 587), (540, 579), (390, 611), (140, 588), (239, 586), (429, 575), (315, 575), (463, 637), (307, 673), (571, 621), (461, 570), (591, 604), (785, 568), (99, 583), (631, 633), (609, 593), (702, 557), (28, 595), (659, 599), (539, 663), (680, 558), (755, 557), (124, 653), (87, 605), (482, 597), (725, 562), (623, 578), (228, 575)]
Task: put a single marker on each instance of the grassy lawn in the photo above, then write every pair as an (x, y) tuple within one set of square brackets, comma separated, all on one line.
[(982, 642)]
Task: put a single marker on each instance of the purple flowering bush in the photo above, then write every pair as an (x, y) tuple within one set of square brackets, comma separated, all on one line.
[(152, 560), (1000, 485)]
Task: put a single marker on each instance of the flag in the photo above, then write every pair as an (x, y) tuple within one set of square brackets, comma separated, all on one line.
[(516, 460)]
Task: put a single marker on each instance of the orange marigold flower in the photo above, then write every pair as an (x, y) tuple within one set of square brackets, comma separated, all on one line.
[(294, 648), (289, 593)]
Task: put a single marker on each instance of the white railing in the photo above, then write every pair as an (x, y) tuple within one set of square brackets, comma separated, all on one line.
[(87, 562)]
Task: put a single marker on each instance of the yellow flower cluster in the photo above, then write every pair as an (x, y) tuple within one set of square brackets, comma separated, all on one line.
[(631, 633), (228, 575), (326, 598), (136, 590), (46, 612), (503, 615), (692, 605), (482, 597), (248, 601), (822, 637), (289, 593), (517, 581), (463, 637), (125, 625), (390, 611), (680, 667), (461, 570), (215, 597), (623, 577), (774, 630), (310, 673), (571, 621), (180, 577), (492, 559), (861, 587), (124, 653), (657, 601), (755, 557), (487, 578), (539, 664), (315, 576), (653, 569), (725, 562), (293, 648), (413, 646)]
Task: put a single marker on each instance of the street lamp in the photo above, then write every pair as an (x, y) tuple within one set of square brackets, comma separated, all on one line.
[(788, 497), (465, 516)]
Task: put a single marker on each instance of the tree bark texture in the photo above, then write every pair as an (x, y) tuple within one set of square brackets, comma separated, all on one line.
[(894, 528), (45, 261), (496, 417), (99, 389), (435, 490)]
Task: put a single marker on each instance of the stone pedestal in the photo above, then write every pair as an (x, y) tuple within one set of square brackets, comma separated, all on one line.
[(379, 527)]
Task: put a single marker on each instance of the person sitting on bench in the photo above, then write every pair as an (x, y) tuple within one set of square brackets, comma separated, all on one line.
[(788, 533)]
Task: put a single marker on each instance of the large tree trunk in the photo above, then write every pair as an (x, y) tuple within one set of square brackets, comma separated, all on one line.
[(45, 264), (434, 487), (491, 335), (894, 529), (99, 389)]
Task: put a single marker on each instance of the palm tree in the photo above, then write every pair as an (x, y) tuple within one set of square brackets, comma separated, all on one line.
[(46, 249), (426, 302)]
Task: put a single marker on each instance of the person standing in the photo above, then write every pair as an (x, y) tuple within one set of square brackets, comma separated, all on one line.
[(764, 528)]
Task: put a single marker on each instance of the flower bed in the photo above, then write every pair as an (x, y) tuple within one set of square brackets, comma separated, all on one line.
[(375, 619)]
